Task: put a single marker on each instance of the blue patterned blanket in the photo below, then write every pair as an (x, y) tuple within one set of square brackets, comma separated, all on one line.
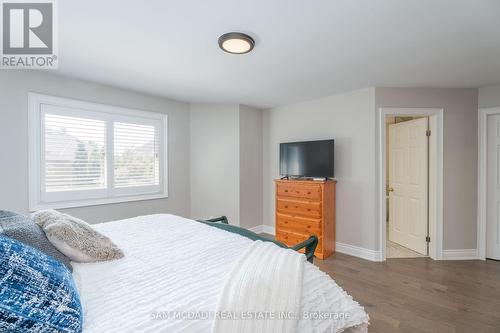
[(37, 292)]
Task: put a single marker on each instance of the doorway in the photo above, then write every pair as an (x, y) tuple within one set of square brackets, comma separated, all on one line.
[(489, 184), (410, 182), (407, 186)]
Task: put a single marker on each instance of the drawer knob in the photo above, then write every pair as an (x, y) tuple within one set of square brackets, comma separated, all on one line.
[(286, 191)]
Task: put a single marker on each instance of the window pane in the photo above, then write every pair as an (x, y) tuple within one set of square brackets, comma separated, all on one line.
[(136, 155), (74, 153)]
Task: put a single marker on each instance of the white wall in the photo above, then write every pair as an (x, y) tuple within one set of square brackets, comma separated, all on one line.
[(250, 167), (349, 119), (226, 163), (14, 88), (489, 96), (215, 161)]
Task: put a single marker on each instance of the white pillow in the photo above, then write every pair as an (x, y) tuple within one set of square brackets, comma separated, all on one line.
[(76, 238)]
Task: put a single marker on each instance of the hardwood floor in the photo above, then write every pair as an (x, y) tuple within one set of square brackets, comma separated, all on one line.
[(422, 295)]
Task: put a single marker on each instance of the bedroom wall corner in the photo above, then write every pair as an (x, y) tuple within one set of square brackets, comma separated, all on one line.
[(226, 162), (250, 167), (214, 157)]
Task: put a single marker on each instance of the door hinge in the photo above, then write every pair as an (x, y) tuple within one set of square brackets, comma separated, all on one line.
[(428, 239), (428, 133)]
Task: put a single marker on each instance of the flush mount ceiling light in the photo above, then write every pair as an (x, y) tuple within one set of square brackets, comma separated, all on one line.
[(236, 43)]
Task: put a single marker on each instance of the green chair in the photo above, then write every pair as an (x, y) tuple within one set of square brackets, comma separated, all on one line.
[(309, 245)]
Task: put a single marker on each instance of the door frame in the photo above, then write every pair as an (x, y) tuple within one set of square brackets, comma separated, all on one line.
[(436, 214), (482, 189)]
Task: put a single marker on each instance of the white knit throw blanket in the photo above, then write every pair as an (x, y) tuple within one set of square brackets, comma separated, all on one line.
[(262, 293)]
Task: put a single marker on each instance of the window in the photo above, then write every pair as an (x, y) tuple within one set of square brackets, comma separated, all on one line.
[(136, 155), (85, 154)]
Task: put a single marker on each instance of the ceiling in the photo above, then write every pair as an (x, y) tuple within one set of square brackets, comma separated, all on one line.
[(304, 49)]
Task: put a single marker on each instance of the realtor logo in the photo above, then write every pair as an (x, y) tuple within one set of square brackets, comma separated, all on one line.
[(28, 35)]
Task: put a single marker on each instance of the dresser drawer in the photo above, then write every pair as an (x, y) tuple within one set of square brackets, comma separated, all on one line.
[(304, 208), (291, 239), (310, 192), (301, 225)]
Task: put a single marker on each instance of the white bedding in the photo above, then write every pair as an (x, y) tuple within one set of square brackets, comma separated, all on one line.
[(172, 277), (255, 287)]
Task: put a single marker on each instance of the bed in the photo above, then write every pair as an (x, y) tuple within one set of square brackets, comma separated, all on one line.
[(173, 273)]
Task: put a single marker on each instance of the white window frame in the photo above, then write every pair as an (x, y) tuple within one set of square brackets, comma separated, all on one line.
[(38, 199)]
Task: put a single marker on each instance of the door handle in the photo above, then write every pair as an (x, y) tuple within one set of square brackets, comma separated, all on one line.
[(390, 189)]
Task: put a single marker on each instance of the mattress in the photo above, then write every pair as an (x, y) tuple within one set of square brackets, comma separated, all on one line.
[(172, 276)]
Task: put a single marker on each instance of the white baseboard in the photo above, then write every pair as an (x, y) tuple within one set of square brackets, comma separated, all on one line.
[(269, 230), (372, 255), (351, 250), (359, 252), (263, 229), (257, 229), (460, 254)]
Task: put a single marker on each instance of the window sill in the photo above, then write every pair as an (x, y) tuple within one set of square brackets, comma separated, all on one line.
[(95, 202)]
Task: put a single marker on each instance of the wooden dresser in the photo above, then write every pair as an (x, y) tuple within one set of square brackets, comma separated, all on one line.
[(305, 208)]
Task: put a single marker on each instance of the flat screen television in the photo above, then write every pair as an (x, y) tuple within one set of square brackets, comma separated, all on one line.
[(307, 159)]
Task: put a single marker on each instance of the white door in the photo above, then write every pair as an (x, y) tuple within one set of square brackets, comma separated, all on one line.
[(408, 183), (493, 184)]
